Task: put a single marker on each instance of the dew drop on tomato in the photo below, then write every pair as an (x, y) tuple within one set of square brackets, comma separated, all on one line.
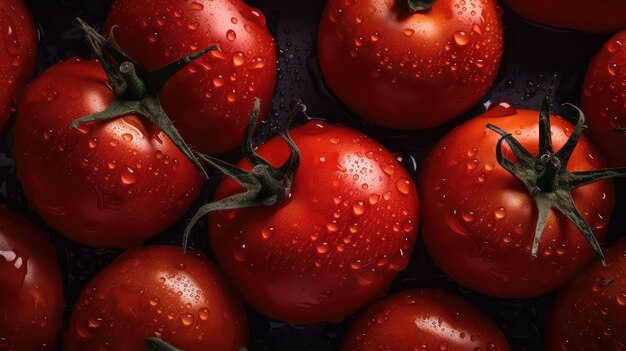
[(500, 108)]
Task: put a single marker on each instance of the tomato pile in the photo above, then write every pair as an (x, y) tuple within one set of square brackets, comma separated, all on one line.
[(312, 175)]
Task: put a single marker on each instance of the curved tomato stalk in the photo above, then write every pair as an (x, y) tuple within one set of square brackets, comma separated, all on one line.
[(136, 90), (265, 185), (545, 175), (156, 344)]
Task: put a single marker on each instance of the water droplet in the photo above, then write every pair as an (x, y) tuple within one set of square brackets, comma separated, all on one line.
[(153, 37), (358, 208), (373, 199), (204, 314), (389, 168), (472, 152), (468, 216), (93, 143), (409, 32), (266, 233), (238, 59), (112, 164), (477, 29), (257, 63), (375, 37), (95, 322), (153, 301), (461, 38), (186, 319), (219, 81), (614, 46), (403, 185), (196, 6), (238, 253), (612, 68), (620, 297), (128, 176), (322, 248), (500, 213), (231, 35), (127, 137), (472, 164), (367, 277)]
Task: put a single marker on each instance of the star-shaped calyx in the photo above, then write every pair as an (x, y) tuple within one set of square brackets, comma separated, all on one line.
[(546, 177), (136, 90), (265, 184)]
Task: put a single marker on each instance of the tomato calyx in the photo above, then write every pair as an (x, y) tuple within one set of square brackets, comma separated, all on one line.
[(137, 90), (416, 5), (265, 184), (545, 175)]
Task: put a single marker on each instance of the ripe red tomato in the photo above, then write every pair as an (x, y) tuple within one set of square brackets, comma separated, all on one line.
[(589, 313), (157, 291), (17, 60), (406, 70), (107, 184), (481, 225), (31, 292), (210, 101), (336, 243), (603, 16), (425, 319), (604, 99)]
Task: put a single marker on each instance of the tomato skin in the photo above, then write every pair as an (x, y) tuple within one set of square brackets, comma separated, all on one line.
[(17, 61), (157, 291), (107, 184), (406, 71), (589, 312), (31, 291), (336, 244), (404, 322), (601, 16), (481, 226), (211, 100), (604, 99)]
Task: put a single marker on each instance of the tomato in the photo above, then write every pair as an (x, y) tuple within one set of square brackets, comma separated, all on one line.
[(604, 99), (157, 291), (210, 101), (106, 184), (31, 292), (424, 319), (17, 60), (602, 16), (589, 312), (332, 245), (481, 226), (406, 70)]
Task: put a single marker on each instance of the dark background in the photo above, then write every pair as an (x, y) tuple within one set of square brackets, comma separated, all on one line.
[(533, 53)]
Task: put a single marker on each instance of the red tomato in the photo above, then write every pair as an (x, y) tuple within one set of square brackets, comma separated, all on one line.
[(604, 99), (209, 101), (406, 70), (481, 225), (601, 16), (157, 291), (426, 319), (31, 292), (17, 60), (337, 242), (107, 184), (589, 312)]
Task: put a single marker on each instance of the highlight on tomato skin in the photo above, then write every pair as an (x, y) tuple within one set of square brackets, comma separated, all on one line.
[(603, 99), (106, 184), (588, 314), (481, 224), (423, 319), (210, 100), (346, 230), (410, 70), (17, 61), (157, 292), (31, 289)]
